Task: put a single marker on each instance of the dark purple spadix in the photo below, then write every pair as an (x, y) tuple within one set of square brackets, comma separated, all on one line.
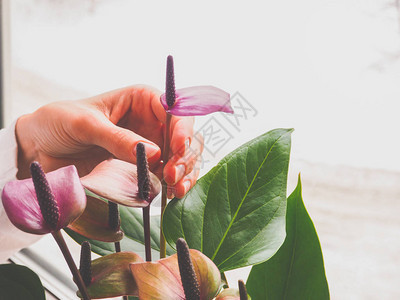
[(47, 203), (142, 172), (242, 290), (170, 82), (85, 266), (188, 276), (113, 216)]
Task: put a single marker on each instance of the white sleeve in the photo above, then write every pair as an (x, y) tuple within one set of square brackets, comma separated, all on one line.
[(11, 238)]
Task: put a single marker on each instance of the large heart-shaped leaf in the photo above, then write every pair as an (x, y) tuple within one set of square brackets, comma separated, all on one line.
[(19, 282), (235, 214), (132, 225), (296, 271)]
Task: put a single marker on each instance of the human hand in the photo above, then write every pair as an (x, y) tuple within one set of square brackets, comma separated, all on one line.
[(86, 132)]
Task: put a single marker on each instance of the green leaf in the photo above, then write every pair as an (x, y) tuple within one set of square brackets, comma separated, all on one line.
[(296, 271), (19, 282), (235, 214), (132, 225)]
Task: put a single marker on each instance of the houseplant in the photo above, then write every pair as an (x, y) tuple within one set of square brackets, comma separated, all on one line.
[(236, 215)]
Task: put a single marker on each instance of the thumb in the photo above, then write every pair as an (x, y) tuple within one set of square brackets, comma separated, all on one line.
[(122, 142)]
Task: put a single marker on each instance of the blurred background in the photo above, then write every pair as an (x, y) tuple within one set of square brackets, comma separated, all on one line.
[(329, 69)]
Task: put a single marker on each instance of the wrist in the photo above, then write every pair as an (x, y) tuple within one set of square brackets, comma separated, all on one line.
[(27, 152)]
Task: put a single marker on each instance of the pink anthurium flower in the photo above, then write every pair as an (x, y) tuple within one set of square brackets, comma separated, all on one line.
[(198, 101), (193, 101), (186, 275), (112, 180), (108, 276), (23, 207), (116, 180), (94, 222)]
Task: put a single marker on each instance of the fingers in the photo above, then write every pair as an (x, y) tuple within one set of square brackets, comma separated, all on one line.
[(181, 135), (115, 107), (185, 149), (186, 183), (122, 142), (178, 166)]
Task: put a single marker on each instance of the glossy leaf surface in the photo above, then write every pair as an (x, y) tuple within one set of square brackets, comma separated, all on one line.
[(296, 271), (235, 214)]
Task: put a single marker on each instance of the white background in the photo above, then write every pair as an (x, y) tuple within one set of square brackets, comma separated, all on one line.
[(329, 69)]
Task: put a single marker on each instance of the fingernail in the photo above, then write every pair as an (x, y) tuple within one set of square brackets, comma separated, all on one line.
[(187, 185), (187, 145), (170, 192), (179, 172), (151, 149)]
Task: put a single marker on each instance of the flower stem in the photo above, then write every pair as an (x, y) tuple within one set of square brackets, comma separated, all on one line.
[(118, 249), (165, 157), (71, 264), (114, 221), (146, 226), (117, 246)]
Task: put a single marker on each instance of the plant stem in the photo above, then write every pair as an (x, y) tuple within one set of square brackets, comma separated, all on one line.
[(165, 157), (71, 264), (117, 246), (146, 226), (118, 249)]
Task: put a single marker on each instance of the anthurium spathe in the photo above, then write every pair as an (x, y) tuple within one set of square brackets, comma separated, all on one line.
[(111, 276), (116, 180), (162, 279), (94, 222), (192, 101), (198, 101), (23, 207)]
